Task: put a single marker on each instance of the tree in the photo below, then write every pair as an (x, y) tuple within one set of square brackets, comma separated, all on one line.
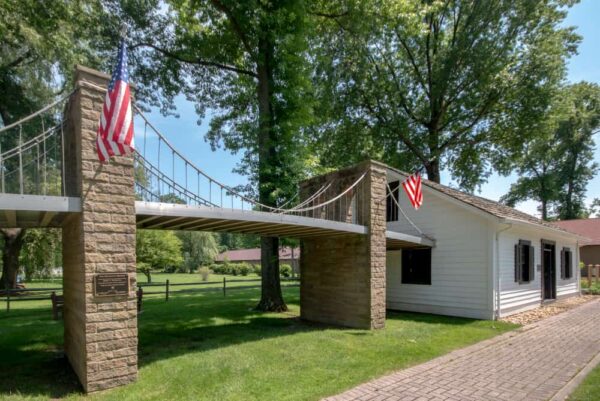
[(436, 83), (157, 250), (575, 137), (41, 41), (199, 249), (13, 241), (40, 252), (556, 165), (245, 61)]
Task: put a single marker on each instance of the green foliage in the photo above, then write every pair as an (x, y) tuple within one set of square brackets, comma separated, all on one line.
[(204, 273), (228, 241), (199, 248), (257, 270), (146, 269), (555, 166), (41, 251), (439, 84), (285, 270), (159, 249), (234, 269)]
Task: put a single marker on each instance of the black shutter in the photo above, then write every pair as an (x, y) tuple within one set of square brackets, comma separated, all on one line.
[(517, 263), (563, 273), (531, 263)]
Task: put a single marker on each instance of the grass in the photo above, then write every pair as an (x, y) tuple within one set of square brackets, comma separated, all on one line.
[(206, 347), (589, 389)]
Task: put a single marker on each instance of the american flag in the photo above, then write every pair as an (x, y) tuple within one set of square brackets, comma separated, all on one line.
[(115, 133), (412, 187)]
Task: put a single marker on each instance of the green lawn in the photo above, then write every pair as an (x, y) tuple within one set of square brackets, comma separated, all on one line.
[(206, 347), (589, 390)]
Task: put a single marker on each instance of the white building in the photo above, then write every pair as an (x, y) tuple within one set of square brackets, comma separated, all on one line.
[(489, 260)]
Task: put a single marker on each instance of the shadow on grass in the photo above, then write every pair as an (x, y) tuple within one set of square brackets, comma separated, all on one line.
[(31, 347)]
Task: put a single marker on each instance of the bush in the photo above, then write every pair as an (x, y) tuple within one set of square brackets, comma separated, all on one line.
[(285, 270), (256, 269), (235, 269), (204, 272)]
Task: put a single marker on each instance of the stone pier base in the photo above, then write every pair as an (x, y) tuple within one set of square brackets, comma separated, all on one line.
[(100, 330), (343, 277)]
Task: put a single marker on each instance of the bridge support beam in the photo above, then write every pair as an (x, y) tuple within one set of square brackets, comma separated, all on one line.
[(98, 246), (343, 278)]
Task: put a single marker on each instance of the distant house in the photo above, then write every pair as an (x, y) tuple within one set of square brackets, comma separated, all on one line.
[(589, 248), (488, 261), (287, 256)]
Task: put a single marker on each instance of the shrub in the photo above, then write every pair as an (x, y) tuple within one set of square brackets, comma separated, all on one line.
[(204, 272), (256, 269), (285, 270)]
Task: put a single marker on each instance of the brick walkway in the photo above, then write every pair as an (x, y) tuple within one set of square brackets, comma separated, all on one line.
[(533, 363)]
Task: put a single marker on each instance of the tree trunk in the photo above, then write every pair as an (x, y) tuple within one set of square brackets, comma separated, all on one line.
[(13, 241), (271, 297), (544, 208), (433, 170)]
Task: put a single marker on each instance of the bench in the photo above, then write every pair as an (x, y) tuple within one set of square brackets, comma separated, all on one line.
[(58, 302)]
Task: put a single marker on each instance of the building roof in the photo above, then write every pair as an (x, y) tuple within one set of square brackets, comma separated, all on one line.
[(240, 255), (589, 228), (489, 206)]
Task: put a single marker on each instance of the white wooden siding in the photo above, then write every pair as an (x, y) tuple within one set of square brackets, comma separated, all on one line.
[(515, 297), (461, 282)]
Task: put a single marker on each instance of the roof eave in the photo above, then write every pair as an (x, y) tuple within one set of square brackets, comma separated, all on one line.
[(558, 231)]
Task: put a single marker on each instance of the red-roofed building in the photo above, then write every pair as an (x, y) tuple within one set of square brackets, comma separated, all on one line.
[(287, 255), (589, 228)]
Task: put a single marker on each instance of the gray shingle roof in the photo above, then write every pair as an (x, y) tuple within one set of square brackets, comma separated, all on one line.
[(487, 205)]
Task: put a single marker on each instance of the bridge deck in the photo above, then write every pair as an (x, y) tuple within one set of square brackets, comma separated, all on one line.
[(31, 211)]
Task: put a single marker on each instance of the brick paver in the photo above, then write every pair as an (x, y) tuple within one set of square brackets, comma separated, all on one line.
[(531, 364)]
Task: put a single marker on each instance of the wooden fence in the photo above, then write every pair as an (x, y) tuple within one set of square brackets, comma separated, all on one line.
[(592, 271), (206, 286), (167, 289)]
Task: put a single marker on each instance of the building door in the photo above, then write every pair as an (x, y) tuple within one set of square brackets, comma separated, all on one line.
[(548, 270)]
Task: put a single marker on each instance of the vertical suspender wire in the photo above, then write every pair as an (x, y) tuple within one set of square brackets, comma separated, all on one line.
[(145, 131), (44, 155), (173, 165), (45, 166), (157, 177), (198, 177), (21, 158), (62, 151), (37, 172), (1, 170)]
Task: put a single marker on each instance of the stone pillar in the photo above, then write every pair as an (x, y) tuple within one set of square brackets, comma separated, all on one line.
[(343, 277), (100, 332)]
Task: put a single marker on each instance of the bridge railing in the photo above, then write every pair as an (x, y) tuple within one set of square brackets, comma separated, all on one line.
[(31, 152), (163, 174)]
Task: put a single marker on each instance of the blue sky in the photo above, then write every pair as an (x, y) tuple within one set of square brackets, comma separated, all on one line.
[(187, 136)]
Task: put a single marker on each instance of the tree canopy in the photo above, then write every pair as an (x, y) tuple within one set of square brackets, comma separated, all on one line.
[(556, 165), (439, 84)]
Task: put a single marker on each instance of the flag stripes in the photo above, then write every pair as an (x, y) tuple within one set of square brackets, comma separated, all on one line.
[(115, 132), (413, 188)]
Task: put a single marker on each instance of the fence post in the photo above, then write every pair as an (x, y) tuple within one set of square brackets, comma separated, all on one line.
[(224, 286), (589, 275), (597, 274), (167, 291)]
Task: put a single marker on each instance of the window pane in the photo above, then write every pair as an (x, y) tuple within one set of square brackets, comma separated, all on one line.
[(416, 266)]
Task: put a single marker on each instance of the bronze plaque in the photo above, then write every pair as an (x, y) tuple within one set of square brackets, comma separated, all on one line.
[(111, 284)]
